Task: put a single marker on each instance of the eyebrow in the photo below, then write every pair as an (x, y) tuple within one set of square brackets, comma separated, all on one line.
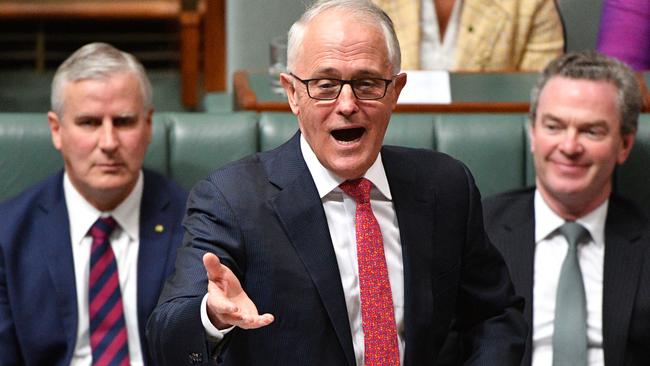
[(598, 122), (360, 74), (93, 116)]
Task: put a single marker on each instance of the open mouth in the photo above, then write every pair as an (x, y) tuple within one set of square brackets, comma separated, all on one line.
[(348, 134)]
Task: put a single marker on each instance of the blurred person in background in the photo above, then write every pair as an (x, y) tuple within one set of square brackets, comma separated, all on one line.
[(476, 35), (84, 254), (578, 251), (625, 32)]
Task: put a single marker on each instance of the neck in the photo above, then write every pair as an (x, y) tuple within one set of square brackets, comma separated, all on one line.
[(573, 206)]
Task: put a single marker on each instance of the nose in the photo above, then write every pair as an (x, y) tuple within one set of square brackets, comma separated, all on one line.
[(347, 102), (570, 144), (108, 140)]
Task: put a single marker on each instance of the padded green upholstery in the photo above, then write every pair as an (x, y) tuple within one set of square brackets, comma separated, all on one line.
[(158, 150), (412, 130), (276, 128), (26, 151), (632, 178), (491, 145), (188, 146), (200, 143)]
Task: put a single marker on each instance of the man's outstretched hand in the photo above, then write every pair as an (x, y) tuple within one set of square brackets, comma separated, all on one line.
[(227, 303)]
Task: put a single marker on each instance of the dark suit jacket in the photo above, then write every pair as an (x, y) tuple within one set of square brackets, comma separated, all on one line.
[(38, 299), (510, 222), (263, 217)]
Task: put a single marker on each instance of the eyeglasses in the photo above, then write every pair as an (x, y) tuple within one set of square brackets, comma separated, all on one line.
[(329, 89)]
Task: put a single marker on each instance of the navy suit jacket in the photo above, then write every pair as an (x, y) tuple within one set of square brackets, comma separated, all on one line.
[(38, 299), (510, 223), (263, 217)]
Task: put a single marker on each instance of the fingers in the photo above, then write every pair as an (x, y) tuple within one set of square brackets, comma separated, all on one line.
[(252, 322), (224, 314), (227, 303), (213, 266)]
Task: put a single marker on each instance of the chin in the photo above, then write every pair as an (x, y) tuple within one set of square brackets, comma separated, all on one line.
[(347, 172)]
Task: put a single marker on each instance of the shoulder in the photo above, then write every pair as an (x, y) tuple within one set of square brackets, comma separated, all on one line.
[(46, 189), (626, 212), (259, 171), (431, 173), (21, 208), (158, 184), (503, 204), (425, 160)]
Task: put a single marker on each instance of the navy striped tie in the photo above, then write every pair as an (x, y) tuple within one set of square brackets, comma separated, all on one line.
[(108, 338)]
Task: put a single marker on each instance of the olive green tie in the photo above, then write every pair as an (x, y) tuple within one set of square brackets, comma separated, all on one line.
[(570, 325)]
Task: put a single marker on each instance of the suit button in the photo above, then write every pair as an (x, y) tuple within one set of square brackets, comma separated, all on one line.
[(195, 358)]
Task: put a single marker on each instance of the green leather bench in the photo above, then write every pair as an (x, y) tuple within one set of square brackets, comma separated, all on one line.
[(188, 146)]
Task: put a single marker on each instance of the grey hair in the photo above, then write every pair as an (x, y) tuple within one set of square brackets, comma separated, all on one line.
[(591, 65), (364, 9), (97, 61)]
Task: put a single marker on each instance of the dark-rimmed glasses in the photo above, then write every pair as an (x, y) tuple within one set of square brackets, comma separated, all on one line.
[(329, 89)]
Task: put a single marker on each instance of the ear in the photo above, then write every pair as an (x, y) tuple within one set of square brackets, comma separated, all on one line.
[(55, 129), (149, 121), (400, 82), (531, 135), (287, 82), (628, 143)]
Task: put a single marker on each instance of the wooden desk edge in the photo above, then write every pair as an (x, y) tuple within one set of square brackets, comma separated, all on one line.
[(245, 99), (91, 10), (244, 96)]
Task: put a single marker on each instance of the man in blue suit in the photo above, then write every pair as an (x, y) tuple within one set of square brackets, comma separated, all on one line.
[(287, 232), (52, 310)]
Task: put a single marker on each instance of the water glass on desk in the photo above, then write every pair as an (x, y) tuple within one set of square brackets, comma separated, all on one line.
[(278, 53)]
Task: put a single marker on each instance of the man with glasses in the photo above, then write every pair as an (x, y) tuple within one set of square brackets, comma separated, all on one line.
[(331, 250)]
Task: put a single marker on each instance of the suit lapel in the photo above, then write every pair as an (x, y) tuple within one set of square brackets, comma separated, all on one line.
[(623, 263), (413, 207), (57, 255), (515, 238), (156, 241), (301, 213)]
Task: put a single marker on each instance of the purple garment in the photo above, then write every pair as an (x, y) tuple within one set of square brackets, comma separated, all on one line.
[(625, 32)]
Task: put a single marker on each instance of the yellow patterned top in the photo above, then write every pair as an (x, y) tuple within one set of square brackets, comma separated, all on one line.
[(494, 35)]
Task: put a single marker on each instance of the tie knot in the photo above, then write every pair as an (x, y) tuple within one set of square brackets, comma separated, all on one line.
[(359, 189), (103, 227), (573, 232)]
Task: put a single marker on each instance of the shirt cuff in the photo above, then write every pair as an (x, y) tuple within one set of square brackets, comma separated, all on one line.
[(212, 331)]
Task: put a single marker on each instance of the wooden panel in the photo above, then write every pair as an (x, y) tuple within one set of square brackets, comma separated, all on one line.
[(214, 46), (190, 22), (172, 10), (160, 9)]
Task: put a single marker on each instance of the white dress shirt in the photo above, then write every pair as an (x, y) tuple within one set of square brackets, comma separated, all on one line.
[(550, 250), (437, 53), (125, 243), (340, 210)]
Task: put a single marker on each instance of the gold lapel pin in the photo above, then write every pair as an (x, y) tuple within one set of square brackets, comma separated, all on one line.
[(159, 228)]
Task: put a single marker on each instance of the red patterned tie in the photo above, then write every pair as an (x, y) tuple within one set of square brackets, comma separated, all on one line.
[(107, 327), (377, 315)]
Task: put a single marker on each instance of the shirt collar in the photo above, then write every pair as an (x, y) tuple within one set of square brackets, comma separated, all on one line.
[(547, 221), (327, 181), (83, 214)]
